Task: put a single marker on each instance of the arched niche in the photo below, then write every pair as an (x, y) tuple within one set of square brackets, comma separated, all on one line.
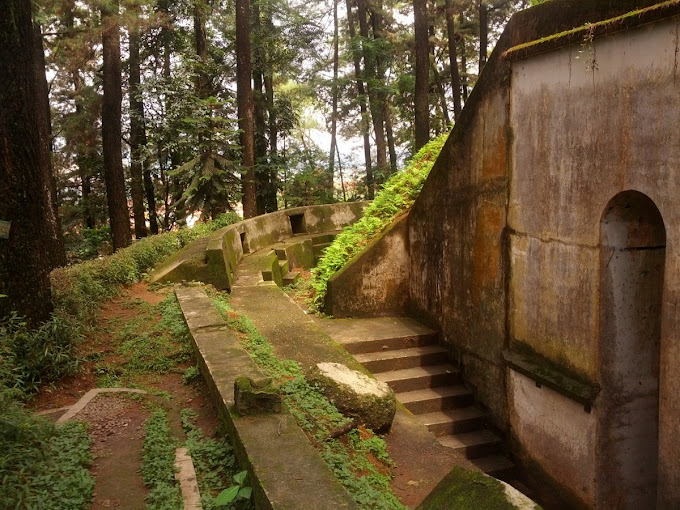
[(632, 257)]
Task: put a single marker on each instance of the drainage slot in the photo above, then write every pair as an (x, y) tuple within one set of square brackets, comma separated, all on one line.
[(297, 223)]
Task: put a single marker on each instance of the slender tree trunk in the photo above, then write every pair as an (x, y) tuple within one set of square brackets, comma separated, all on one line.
[(53, 235), (200, 40), (244, 99), (270, 194), (421, 103), (342, 179), (463, 62), (442, 97), (483, 34), (334, 93), (114, 176), (25, 180), (453, 59), (390, 138), (376, 81), (260, 144), (365, 124), (137, 134)]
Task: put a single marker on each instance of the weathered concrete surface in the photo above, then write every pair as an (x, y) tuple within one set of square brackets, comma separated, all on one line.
[(375, 282), (214, 259), (368, 401), (186, 476), (421, 460), (87, 398), (284, 468), (602, 121)]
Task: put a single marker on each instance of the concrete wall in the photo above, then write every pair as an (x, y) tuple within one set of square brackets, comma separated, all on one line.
[(376, 282), (591, 121)]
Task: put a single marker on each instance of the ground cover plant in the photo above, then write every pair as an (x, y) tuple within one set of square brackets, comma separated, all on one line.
[(42, 466), (358, 459), (396, 197)]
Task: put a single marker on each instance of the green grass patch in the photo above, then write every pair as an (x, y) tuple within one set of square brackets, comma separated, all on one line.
[(158, 464), (156, 340), (215, 466), (396, 197), (42, 466), (319, 418)]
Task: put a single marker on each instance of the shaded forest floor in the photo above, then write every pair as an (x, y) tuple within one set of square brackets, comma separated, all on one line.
[(116, 421)]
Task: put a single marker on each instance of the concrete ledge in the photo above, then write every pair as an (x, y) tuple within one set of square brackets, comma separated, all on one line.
[(285, 470)]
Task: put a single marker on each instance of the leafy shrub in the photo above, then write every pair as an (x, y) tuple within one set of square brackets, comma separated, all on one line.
[(396, 197), (29, 358)]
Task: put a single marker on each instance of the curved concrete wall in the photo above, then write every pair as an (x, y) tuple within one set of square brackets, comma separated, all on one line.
[(214, 261)]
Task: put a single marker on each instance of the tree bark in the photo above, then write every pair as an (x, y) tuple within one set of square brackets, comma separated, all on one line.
[(270, 200), (137, 133), (453, 59), (244, 100), (25, 178), (365, 124), (53, 237), (483, 34), (334, 94), (376, 82), (114, 176), (422, 51), (463, 63), (200, 40)]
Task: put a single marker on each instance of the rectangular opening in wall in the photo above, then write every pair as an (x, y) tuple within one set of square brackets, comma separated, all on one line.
[(243, 242), (297, 223)]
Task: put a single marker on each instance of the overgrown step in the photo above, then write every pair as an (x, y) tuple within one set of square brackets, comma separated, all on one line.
[(402, 358), (411, 379), (497, 465), (473, 444), (430, 400), (453, 421), (389, 344), (290, 278)]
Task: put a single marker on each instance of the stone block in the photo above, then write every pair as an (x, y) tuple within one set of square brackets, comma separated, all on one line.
[(256, 397), (356, 395)]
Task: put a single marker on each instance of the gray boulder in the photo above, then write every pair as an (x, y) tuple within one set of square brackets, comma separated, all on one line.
[(356, 395)]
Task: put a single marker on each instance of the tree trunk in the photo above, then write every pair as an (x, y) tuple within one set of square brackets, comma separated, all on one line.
[(463, 62), (244, 99), (25, 178), (453, 59), (200, 40), (422, 50), (137, 135), (365, 125), (114, 176), (390, 138), (52, 236), (376, 81), (483, 34), (334, 93), (270, 194), (260, 143)]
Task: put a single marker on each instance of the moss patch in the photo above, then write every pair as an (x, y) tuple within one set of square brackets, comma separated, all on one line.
[(585, 33), (463, 489)]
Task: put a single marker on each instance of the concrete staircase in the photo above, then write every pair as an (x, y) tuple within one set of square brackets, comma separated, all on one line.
[(411, 362)]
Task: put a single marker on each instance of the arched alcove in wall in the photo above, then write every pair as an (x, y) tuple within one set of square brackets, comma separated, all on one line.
[(632, 257)]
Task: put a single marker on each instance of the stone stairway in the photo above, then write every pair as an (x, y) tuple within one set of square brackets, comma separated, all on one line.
[(406, 356)]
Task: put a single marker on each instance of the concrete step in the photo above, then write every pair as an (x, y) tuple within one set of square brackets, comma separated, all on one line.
[(429, 400), (318, 250), (497, 465), (403, 358), (391, 343), (290, 278), (281, 253), (283, 265), (473, 444), (453, 421), (320, 239), (411, 379)]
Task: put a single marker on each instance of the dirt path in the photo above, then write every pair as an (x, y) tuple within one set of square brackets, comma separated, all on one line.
[(116, 421)]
